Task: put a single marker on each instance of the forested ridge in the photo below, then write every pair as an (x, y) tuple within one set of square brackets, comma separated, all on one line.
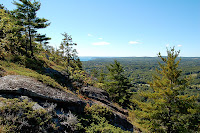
[(47, 89)]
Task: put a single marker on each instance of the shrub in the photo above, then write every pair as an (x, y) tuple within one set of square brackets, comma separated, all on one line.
[(19, 59), (99, 110), (97, 120), (2, 71), (69, 121), (104, 127), (19, 116)]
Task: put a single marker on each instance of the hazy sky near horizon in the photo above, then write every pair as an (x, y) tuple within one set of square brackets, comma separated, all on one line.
[(123, 27)]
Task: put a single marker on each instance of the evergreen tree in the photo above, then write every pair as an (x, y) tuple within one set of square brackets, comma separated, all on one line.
[(67, 50), (26, 12), (101, 77), (10, 34), (42, 38), (166, 109), (118, 84)]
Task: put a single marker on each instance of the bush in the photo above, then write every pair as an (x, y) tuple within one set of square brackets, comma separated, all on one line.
[(69, 121), (19, 116), (2, 71), (19, 59), (97, 120), (104, 127), (100, 111)]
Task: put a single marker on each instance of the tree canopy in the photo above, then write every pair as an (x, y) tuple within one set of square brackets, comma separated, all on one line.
[(166, 108), (26, 14), (118, 84)]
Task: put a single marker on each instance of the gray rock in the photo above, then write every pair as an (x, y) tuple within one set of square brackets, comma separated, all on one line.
[(93, 92), (30, 88), (17, 84), (36, 106)]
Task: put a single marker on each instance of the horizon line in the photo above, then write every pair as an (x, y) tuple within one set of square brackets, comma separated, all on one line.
[(138, 56)]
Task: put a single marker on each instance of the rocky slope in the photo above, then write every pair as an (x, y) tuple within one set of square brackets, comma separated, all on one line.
[(17, 86)]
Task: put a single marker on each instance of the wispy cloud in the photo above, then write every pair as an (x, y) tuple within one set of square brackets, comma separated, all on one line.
[(179, 45), (133, 42), (101, 43), (100, 38), (89, 34), (167, 45)]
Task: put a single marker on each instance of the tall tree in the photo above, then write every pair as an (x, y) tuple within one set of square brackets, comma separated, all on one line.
[(166, 108), (26, 12), (67, 50), (118, 84)]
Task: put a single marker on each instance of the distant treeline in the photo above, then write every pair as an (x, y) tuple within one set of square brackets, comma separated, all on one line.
[(141, 69)]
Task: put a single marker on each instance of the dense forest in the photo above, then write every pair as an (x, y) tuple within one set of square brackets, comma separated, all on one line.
[(157, 94)]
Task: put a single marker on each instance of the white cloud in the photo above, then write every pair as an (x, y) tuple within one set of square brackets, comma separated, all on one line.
[(101, 43), (89, 34), (179, 45), (167, 45), (100, 38), (133, 42)]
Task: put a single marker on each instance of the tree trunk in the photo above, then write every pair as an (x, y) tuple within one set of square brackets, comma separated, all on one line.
[(26, 45), (31, 47)]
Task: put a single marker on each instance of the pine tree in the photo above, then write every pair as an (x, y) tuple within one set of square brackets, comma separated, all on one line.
[(26, 12), (166, 109), (67, 50), (42, 38), (118, 84)]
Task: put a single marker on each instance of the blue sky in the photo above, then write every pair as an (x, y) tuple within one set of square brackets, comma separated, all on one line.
[(123, 27)]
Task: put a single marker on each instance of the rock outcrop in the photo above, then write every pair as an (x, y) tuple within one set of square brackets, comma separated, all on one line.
[(95, 93), (26, 87), (22, 85)]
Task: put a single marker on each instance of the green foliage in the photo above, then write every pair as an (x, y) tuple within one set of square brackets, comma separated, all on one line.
[(166, 108), (11, 38), (42, 38), (139, 70), (78, 75), (100, 111), (67, 51), (2, 71), (27, 17), (97, 120), (19, 28), (19, 116), (101, 77), (94, 73), (104, 127), (118, 84)]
